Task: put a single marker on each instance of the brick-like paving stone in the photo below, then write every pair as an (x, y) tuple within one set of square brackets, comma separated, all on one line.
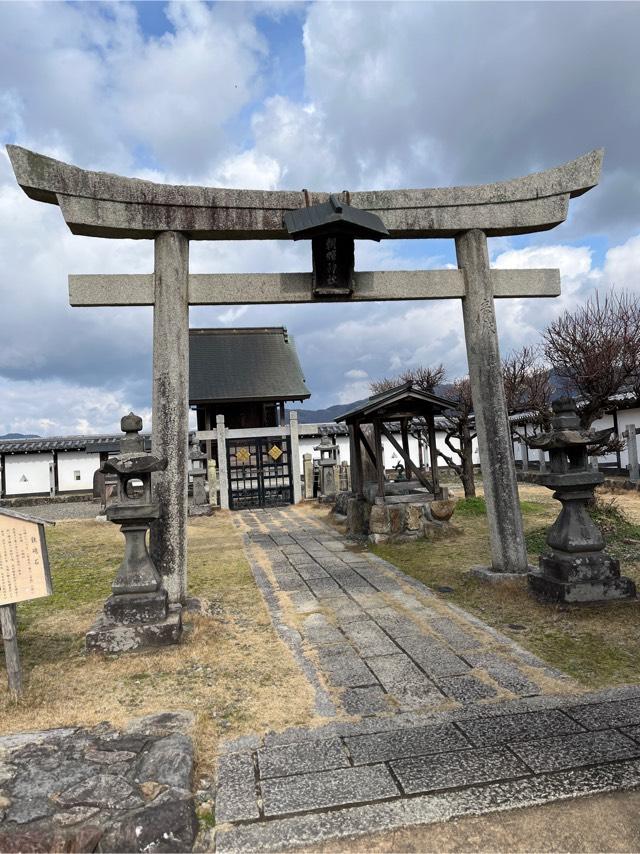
[(436, 714), (327, 789), (463, 768), (367, 749), (321, 755)]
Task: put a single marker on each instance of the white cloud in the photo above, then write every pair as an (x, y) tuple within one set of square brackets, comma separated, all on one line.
[(356, 374)]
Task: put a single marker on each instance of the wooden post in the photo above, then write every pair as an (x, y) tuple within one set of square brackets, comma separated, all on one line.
[(405, 440), (11, 654), (379, 454), (632, 452), (542, 460), (506, 533), (356, 460), (433, 455)]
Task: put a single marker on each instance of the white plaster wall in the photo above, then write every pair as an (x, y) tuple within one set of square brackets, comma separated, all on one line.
[(33, 467), (72, 461), (391, 456), (625, 417)]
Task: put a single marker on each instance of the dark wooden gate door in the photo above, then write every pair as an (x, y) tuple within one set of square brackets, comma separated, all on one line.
[(259, 472)]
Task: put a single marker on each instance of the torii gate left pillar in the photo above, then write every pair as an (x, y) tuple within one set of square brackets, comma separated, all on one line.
[(170, 429), (101, 205)]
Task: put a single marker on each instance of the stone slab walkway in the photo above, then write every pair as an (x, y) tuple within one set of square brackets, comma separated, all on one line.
[(432, 713)]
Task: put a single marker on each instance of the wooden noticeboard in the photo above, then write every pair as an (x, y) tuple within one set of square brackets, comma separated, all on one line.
[(24, 575), (24, 562)]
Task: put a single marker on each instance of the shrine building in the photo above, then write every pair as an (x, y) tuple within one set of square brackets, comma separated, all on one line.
[(247, 375)]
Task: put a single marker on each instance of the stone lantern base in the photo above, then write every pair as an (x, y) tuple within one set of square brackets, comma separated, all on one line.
[(110, 635), (580, 577)]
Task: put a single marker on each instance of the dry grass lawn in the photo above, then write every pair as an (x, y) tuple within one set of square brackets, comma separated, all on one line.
[(598, 645), (231, 669)]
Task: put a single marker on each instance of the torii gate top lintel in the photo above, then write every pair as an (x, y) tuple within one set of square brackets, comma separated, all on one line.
[(100, 204)]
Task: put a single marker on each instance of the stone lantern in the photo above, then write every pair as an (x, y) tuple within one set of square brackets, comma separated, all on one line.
[(575, 567), (328, 463), (199, 503), (137, 613)]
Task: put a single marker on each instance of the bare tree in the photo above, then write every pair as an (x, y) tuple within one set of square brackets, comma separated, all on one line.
[(595, 350), (423, 378), (459, 435)]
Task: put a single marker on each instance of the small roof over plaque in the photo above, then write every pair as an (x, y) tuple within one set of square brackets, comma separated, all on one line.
[(334, 218)]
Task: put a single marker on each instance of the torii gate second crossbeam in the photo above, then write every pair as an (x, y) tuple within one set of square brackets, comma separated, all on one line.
[(102, 205)]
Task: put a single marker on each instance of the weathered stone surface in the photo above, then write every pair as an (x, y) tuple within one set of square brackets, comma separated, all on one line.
[(344, 668), (107, 636), (318, 755), (364, 701), (507, 674), (397, 518), (236, 798), (369, 639), (327, 789), (434, 658), (168, 761), (466, 689), (612, 714), (167, 824), (463, 768), (379, 521), (101, 790), (508, 728), (106, 205), (456, 635), (381, 747), (394, 671), (318, 630), (161, 724), (442, 511), (571, 751), (300, 832)]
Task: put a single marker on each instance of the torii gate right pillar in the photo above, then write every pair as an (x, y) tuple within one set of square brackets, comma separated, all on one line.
[(508, 551)]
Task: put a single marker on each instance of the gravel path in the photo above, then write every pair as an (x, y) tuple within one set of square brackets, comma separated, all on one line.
[(62, 512)]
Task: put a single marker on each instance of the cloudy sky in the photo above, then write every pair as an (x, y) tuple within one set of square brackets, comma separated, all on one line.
[(290, 95)]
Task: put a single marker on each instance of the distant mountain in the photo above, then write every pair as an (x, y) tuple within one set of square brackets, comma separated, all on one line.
[(20, 436), (323, 416)]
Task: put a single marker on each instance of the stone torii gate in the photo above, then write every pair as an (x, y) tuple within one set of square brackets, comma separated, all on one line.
[(97, 204)]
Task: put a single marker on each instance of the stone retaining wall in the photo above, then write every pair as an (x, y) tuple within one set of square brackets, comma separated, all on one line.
[(392, 522)]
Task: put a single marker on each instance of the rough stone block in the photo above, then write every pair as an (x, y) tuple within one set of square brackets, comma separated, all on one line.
[(369, 639), (613, 714), (441, 511), (507, 728), (505, 673), (434, 658), (571, 751), (236, 798), (358, 511), (137, 607), (381, 747), (167, 824), (397, 518), (396, 670), (325, 587), (318, 630), (301, 758), (344, 668), (396, 623), (458, 638), (365, 701), (108, 636), (466, 689), (327, 789), (379, 521), (462, 768), (168, 761)]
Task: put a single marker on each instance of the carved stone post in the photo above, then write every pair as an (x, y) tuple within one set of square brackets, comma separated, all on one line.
[(171, 409), (508, 552)]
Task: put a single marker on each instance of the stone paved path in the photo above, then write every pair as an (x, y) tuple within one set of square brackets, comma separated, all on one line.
[(434, 714)]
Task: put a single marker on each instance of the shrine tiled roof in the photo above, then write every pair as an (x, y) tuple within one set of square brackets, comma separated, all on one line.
[(244, 364)]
